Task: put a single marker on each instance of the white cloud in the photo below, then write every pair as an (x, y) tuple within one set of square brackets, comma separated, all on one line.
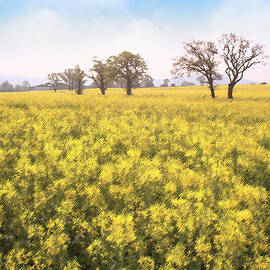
[(45, 41)]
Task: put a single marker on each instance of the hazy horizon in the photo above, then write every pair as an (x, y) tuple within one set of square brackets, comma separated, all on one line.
[(44, 36)]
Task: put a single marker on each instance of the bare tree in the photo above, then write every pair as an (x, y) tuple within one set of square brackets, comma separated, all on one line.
[(79, 79), (239, 55), (68, 78), (200, 58), (100, 74), (202, 80), (127, 66), (54, 81)]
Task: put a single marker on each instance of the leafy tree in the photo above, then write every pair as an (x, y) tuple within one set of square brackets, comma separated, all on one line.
[(118, 83), (200, 58), (68, 78), (79, 79), (100, 74), (7, 86), (185, 83), (136, 84), (18, 87), (239, 55), (129, 67), (165, 83), (54, 80), (26, 85), (147, 81)]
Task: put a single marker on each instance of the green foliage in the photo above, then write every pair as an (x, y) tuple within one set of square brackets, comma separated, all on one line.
[(100, 74), (128, 67)]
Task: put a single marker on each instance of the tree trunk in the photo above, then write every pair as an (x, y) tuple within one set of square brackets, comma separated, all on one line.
[(128, 88), (79, 90), (103, 91), (230, 90), (103, 88), (212, 89)]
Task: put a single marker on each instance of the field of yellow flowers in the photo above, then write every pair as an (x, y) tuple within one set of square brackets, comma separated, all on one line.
[(164, 179)]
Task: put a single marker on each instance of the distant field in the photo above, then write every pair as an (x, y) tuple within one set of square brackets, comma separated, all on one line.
[(164, 179)]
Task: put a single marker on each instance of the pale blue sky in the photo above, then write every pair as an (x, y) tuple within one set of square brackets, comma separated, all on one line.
[(139, 8), (42, 36)]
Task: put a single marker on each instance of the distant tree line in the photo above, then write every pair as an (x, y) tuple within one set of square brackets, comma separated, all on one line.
[(125, 70), (9, 87), (201, 58)]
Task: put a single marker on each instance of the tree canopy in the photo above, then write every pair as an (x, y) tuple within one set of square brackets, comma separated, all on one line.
[(200, 58), (127, 66)]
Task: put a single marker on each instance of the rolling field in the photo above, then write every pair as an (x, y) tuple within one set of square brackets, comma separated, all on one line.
[(164, 179)]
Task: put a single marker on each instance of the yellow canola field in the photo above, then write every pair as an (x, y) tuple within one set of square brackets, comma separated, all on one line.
[(164, 179)]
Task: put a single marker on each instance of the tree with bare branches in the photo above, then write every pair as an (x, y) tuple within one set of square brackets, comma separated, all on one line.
[(79, 79), (200, 58), (68, 78), (100, 74), (201, 80), (54, 80), (239, 55), (129, 67)]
